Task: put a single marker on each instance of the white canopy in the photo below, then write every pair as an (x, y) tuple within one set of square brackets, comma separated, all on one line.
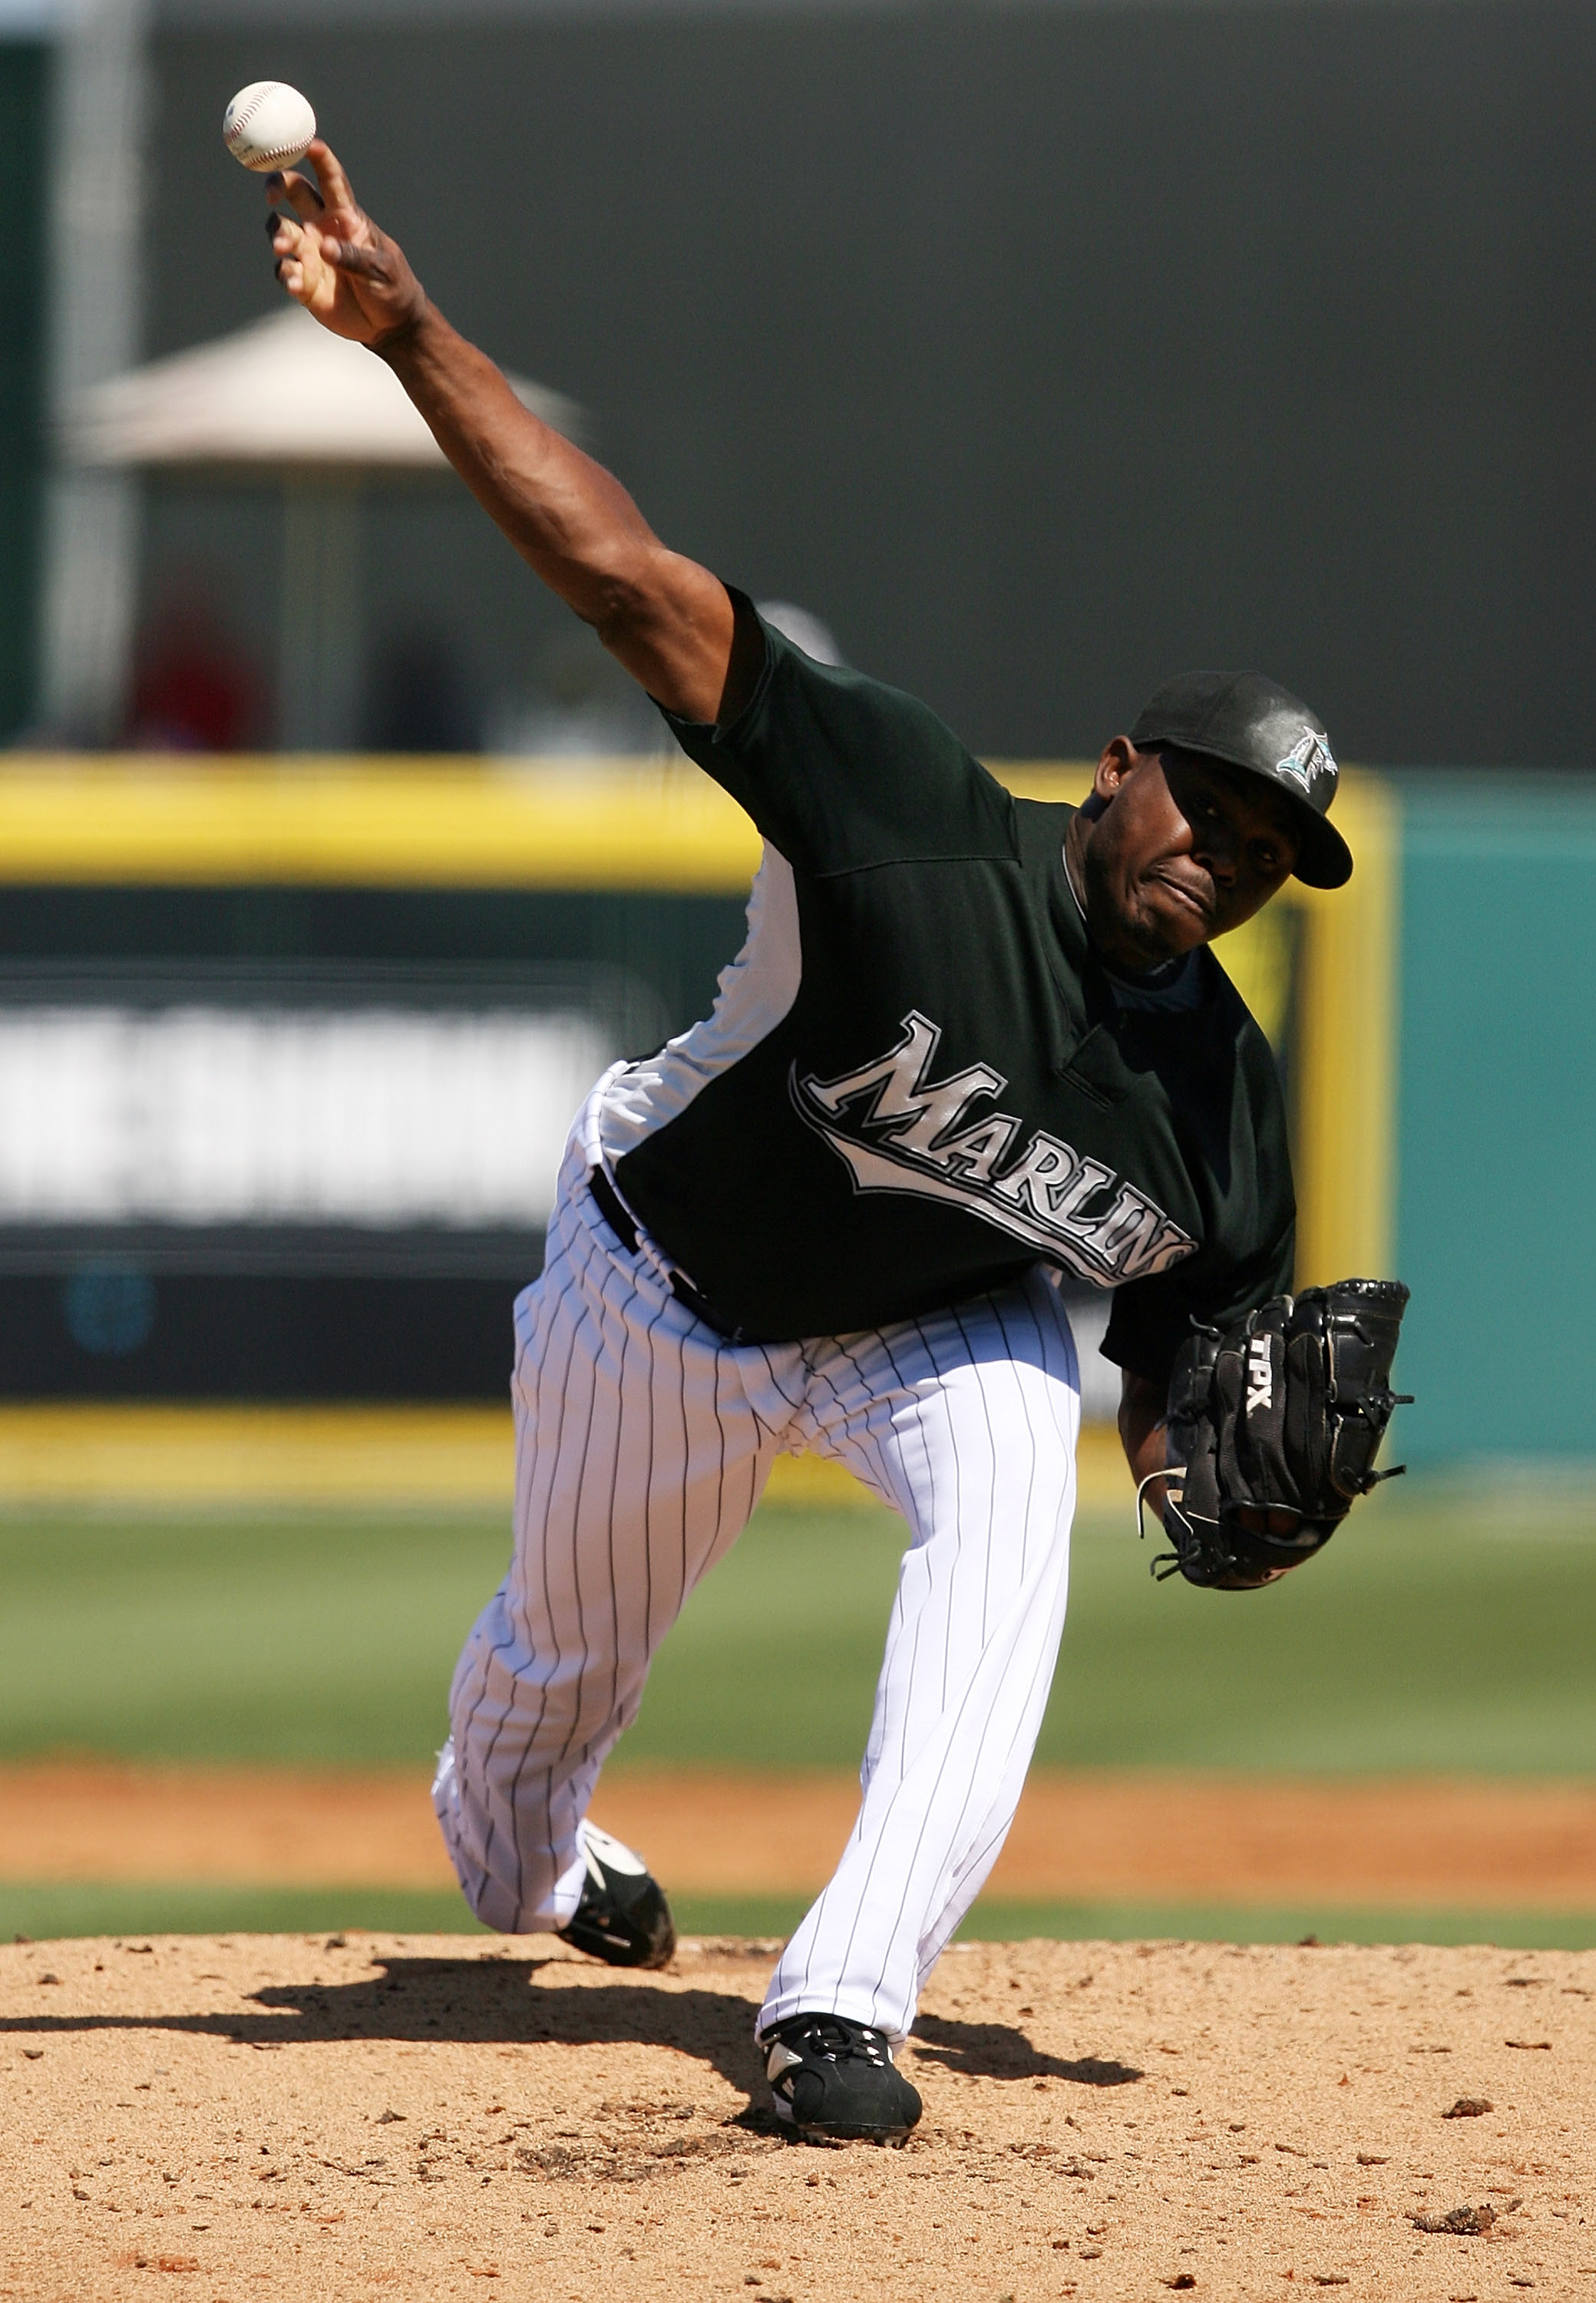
[(280, 393)]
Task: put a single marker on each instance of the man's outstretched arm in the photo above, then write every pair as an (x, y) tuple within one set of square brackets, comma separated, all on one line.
[(667, 619)]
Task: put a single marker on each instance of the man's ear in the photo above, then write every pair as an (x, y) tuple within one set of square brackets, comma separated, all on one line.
[(1120, 759)]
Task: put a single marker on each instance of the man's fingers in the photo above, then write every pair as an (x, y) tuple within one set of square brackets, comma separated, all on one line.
[(298, 191), (362, 263), (334, 183), (291, 244)]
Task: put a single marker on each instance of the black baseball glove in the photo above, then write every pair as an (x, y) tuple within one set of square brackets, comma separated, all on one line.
[(1273, 1430)]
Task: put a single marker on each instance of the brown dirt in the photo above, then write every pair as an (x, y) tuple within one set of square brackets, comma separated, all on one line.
[(1240, 1839), (394, 2119)]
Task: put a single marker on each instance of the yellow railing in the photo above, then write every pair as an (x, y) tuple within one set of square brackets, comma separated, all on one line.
[(373, 822), (1348, 1030)]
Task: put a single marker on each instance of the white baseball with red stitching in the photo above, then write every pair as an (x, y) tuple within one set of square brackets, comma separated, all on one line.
[(268, 125)]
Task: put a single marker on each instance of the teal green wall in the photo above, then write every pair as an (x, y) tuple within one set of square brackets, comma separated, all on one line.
[(23, 176), (1497, 1135)]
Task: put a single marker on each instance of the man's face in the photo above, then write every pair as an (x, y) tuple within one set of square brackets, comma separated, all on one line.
[(1181, 850)]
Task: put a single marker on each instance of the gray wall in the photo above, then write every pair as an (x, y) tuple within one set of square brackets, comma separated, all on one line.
[(1040, 349)]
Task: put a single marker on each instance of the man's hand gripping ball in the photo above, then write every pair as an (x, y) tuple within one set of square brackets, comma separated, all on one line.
[(333, 260)]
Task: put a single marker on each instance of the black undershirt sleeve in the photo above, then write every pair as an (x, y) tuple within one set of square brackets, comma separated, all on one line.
[(746, 665)]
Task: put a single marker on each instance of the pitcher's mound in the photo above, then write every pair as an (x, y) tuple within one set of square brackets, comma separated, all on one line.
[(382, 2117)]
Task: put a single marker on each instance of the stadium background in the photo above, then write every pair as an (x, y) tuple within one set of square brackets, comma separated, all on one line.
[(1035, 352)]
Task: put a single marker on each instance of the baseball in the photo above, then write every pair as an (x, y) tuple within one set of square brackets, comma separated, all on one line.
[(268, 125)]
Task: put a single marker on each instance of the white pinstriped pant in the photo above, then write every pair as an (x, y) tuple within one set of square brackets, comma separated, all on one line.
[(643, 1443)]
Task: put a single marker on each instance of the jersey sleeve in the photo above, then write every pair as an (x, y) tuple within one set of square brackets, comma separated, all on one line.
[(839, 772), (1251, 1257)]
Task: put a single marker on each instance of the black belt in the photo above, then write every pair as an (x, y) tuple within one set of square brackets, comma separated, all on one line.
[(613, 1208)]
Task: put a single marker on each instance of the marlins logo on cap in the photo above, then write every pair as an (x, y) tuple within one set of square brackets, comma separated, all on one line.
[(1306, 760)]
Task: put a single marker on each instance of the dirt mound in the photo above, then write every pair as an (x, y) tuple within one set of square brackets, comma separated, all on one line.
[(376, 2117)]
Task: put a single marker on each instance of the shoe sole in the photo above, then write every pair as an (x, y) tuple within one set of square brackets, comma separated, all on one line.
[(618, 1951), (610, 1937), (894, 2138)]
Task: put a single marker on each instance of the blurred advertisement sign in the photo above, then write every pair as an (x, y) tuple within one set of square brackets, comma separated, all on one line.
[(275, 1117)]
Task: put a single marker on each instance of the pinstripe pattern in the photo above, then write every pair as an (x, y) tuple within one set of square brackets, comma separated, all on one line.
[(644, 1441), (967, 1424)]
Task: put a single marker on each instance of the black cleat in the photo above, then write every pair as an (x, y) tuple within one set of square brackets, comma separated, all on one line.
[(624, 1916), (835, 2080)]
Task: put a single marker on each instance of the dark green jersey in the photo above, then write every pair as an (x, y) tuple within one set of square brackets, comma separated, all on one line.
[(920, 1078)]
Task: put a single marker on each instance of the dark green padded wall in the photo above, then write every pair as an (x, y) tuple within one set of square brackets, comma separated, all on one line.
[(24, 67)]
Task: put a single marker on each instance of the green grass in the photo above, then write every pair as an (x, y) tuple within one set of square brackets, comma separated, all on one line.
[(308, 1637), (43, 1910), (1430, 1636)]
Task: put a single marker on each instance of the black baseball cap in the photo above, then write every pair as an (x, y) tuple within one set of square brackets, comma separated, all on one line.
[(1244, 720)]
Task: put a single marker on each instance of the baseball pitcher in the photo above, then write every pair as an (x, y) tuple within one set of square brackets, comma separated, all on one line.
[(971, 1044)]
